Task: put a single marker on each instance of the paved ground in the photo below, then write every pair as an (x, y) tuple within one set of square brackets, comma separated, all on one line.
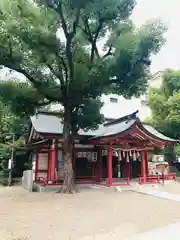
[(160, 194), (173, 187), (166, 233), (92, 214), (171, 231)]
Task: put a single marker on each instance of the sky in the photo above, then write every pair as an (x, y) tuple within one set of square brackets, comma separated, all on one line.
[(169, 12), (169, 56)]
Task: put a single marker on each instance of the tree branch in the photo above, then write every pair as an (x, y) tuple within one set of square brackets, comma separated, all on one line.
[(30, 78), (94, 47), (76, 22), (69, 53), (57, 75), (64, 24), (92, 39), (64, 66), (109, 52)]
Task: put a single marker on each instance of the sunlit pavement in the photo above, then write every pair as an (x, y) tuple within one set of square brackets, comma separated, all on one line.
[(167, 233), (163, 195)]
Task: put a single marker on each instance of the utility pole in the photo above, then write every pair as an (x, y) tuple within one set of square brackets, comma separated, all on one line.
[(11, 161)]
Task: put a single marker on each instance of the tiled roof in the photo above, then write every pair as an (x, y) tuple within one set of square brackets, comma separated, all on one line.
[(155, 133), (51, 124)]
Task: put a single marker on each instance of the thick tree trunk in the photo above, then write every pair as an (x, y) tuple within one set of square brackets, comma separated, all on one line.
[(68, 183)]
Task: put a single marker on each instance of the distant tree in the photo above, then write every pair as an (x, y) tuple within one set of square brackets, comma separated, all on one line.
[(165, 105), (11, 136), (177, 150), (18, 101), (73, 51)]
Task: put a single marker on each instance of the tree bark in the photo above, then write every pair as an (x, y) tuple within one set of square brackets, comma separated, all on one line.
[(68, 183)]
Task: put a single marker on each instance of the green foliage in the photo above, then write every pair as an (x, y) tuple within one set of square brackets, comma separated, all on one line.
[(21, 97), (164, 103), (177, 150), (88, 115), (9, 125), (148, 120), (18, 102)]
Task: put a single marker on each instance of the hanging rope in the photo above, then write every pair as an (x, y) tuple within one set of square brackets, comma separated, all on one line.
[(131, 149)]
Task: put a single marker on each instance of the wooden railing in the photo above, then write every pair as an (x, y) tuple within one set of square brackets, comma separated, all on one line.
[(159, 178), (149, 179), (170, 176)]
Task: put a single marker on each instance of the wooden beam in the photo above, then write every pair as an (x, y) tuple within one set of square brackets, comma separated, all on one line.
[(117, 140)]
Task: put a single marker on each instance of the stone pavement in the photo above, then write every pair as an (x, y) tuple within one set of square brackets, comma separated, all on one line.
[(156, 193), (165, 233), (169, 232)]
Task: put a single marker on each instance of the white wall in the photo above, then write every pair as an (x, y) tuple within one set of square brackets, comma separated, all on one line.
[(124, 107), (121, 108)]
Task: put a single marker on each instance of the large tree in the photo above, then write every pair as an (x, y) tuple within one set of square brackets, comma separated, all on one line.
[(72, 51)]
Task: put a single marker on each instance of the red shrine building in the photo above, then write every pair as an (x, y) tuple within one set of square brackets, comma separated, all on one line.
[(112, 155)]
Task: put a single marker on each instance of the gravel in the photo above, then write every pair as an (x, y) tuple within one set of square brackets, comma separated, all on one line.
[(91, 214)]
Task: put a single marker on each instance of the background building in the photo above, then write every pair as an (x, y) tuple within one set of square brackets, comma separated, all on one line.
[(116, 106)]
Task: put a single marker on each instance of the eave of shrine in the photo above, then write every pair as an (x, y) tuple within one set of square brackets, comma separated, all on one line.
[(127, 130), (136, 133), (130, 130)]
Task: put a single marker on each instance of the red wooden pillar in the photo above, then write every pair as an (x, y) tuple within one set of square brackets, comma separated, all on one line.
[(109, 165), (52, 164), (143, 166), (49, 166)]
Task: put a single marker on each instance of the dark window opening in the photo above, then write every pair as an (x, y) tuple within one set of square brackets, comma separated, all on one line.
[(113, 100)]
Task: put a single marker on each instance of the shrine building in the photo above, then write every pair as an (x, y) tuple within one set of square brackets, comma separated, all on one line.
[(113, 155)]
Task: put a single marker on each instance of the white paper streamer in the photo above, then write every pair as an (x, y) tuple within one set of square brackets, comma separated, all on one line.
[(119, 156), (127, 159), (130, 153), (134, 156)]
